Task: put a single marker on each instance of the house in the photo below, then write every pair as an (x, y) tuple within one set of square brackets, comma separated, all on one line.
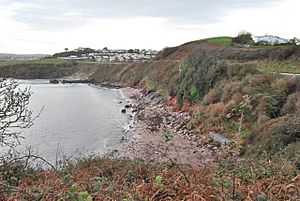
[(269, 40), (297, 41)]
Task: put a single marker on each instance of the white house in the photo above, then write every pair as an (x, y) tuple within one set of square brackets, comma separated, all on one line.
[(297, 41), (269, 39)]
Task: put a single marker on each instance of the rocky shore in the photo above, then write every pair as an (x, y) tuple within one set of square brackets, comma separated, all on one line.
[(156, 131), (159, 133)]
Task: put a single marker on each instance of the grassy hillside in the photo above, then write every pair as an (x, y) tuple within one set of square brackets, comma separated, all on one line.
[(213, 77), (54, 68), (210, 75), (37, 69)]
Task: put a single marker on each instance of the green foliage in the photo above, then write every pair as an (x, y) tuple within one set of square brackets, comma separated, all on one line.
[(183, 65), (194, 92), (74, 195), (279, 66), (203, 73), (158, 181), (167, 136), (96, 183), (84, 196)]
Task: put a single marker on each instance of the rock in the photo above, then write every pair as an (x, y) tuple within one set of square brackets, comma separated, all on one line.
[(53, 81), (123, 110), (36, 196), (128, 106), (219, 138)]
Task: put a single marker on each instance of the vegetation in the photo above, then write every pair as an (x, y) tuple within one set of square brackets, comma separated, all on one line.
[(14, 113), (28, 62), (291, 66), (235, 91), (244, 38), (37, 69), (222, 40), (77, 53), (110, 179)]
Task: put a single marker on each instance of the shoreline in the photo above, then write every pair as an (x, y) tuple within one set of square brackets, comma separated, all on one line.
[(159, 134), (154, 131)]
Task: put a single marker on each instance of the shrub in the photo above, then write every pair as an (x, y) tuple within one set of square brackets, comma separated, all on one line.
[(168, 51), (243, 38), (215, 110), (276, 135), (240, 71), (230, 106), (260, 81), (262, 118), (213, 96), (194, 92), (229, 90), (203, 73), (269, 105), (292, 104)]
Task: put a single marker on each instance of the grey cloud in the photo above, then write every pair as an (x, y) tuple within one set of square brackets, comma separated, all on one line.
[(69, 13)]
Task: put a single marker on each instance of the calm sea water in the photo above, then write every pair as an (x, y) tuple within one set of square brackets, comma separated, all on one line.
[(76, 119)]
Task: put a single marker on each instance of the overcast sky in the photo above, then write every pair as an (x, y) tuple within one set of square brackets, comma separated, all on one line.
[(48, 26)]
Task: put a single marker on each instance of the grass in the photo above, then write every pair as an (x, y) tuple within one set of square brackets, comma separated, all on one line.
[(279, 67), (222, 40), (39, 61)]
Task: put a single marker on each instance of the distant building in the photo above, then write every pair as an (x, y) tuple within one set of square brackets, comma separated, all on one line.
[(297, 41), (269, 40), (115, 55)]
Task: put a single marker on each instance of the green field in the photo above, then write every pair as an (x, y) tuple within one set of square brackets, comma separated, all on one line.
[(222, 40)]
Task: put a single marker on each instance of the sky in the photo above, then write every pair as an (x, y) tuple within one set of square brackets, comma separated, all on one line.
[(49, 26)]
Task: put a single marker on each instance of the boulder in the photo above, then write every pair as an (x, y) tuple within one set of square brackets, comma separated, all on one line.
[(53, 81), (219, 138)]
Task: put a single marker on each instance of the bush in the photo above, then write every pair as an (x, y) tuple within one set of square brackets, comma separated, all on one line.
[(168, 51), (276, 135), (240, 71), (230, 106), (202, 73), (213, 96), (292, 104), (244, 38), (229, 90), (194, 92)]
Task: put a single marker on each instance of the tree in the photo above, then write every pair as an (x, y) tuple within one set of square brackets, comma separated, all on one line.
[(14, 112), (66, 49), (244, 38)]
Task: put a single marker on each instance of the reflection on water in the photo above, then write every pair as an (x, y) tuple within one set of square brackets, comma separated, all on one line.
[(76, 118)]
